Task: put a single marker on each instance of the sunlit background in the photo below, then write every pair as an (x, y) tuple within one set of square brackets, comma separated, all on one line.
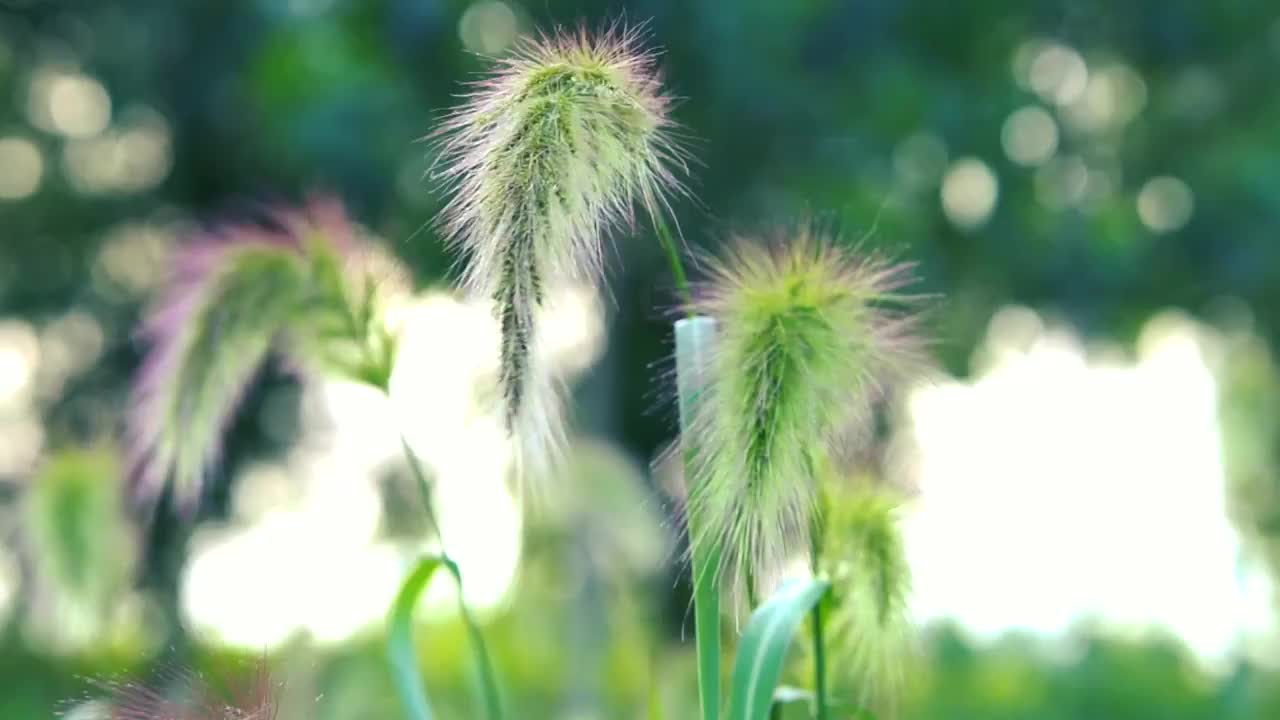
[(1091, 189)]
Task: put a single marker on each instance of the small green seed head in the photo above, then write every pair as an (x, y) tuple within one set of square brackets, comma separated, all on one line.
[(871, 635), (809, 334)]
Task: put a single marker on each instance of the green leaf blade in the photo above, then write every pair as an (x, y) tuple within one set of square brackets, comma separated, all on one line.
[(405, 673), (763, 648)]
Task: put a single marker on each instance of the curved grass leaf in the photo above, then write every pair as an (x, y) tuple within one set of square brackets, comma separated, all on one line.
[(764, 646), (404, 661)]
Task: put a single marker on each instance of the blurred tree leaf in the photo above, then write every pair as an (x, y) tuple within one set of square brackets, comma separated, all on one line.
[(79, 540)]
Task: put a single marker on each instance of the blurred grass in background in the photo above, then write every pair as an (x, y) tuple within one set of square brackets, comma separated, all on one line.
[(1094, 187)]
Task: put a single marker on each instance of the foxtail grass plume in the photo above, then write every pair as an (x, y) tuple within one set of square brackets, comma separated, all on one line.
[(544, 157), (808, 335), (870, 638), (238, 293)]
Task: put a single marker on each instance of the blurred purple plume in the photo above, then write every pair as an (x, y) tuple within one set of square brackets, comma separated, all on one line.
[(233, 290)]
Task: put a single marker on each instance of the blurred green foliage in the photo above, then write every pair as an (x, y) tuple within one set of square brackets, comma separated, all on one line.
[(793, 108), (81, 547)]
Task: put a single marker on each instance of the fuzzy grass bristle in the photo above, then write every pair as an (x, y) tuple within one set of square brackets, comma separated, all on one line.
[(809, 332), (544, 157), (183, 694)]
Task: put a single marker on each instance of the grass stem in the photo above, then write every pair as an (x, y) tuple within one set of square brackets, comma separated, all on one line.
[(695, 337), (672, 248), (819, 640)]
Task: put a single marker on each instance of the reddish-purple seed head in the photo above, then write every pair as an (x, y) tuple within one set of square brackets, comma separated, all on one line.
[(232, 291)]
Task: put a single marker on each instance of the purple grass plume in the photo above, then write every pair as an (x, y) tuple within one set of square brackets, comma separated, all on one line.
[(238, 293)]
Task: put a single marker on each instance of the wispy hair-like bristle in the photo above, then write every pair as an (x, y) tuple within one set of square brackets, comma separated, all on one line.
[(542, 159), (809, 332), (183, 694)]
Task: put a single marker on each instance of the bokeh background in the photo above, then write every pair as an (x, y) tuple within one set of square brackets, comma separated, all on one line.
[(1090, 188)]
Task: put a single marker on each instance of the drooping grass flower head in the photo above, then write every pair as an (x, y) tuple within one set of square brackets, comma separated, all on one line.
[(809, 333), (543, 159), (864, 556), (237, 293)]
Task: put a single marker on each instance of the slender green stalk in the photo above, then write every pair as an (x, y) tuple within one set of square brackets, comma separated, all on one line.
[(819, 641), (694, 338), (488, 679), (677, 265)]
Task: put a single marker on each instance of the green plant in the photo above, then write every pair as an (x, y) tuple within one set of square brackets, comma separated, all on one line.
[(309, 288), (806, 335), (864, 557), (787, 343), (763, 648)]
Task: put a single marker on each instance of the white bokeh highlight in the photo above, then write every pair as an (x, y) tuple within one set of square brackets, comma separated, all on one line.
[(1060, 486), (305, 554)]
